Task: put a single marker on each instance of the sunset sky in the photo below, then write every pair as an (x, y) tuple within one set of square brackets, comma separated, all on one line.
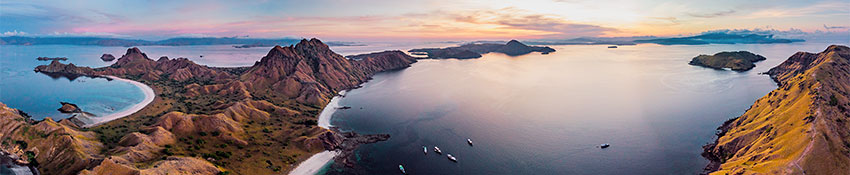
[(358, 20)]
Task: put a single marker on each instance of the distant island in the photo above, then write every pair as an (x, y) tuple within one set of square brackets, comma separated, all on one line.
[(51, 58), (272, 45), (720, 38), (709, 37), (737, 61), (474, 50), (181, 41)]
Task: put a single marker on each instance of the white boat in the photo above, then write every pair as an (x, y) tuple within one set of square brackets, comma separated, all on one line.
[(469, 141), (452, 158), (604, 145), (402, 169), (437, 149), (425, 149)]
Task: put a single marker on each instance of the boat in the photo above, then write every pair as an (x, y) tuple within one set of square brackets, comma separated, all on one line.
[(452, 158), (437, 149), (604, 145), (612, 47), (425, 149), (469, 141), (402, 169)]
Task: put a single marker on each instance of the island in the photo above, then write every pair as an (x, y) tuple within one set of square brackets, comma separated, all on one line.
[(737, 61), (474, 50), (259, 119), (51, 58), (107, 57), (69, 108), (720, 37), (798, 128)]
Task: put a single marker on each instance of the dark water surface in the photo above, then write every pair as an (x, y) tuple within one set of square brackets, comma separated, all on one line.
[(546, 114)]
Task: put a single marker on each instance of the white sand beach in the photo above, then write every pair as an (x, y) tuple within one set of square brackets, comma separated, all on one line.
[(314, 164), (149, 95), (328, 111)]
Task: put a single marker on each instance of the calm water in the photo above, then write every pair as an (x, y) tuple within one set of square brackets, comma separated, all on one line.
[(545, 114)]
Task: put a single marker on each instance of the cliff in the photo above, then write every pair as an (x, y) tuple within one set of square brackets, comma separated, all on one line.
[(737, 61), (799, 128), (466, 51)]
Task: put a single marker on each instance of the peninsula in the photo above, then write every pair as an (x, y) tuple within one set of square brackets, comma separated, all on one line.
[(260, 119), (798, 128), (473, 50), (737, 61)]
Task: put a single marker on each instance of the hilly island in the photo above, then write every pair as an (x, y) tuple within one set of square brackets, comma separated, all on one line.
[(801, 127), (204, 120)]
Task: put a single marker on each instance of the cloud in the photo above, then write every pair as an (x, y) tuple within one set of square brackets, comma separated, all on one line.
[(14, 33), (827, 8), (516, 19), (712, 15)]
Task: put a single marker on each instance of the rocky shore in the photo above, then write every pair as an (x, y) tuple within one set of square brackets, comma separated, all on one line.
[(346, 142)]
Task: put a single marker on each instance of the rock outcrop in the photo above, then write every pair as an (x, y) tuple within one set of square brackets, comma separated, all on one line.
[(737, 61), (799, 128), (107, 57), (69, 108), (512, 48)]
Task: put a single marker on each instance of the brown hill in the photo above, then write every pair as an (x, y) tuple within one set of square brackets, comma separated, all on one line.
[(799, 128), (250, 120)]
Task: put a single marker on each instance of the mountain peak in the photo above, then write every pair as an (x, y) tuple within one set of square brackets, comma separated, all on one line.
[(312, 45)]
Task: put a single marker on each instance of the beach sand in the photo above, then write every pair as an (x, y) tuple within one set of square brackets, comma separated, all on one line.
[(149, 96), (315, 163)]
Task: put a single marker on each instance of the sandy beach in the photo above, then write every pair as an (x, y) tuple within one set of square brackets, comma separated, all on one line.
[(328, 111), (149, 96), (315, 163)]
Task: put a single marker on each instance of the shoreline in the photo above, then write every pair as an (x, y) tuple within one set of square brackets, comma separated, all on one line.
[(317, 161), (146, 90)]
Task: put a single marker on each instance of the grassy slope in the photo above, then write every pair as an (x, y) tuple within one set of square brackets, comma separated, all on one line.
[(272, 144), (794, 129)]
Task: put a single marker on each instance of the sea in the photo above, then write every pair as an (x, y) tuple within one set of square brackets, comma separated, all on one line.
[(529, 114)]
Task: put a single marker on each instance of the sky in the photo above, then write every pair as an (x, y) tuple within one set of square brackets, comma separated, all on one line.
[(427, 20)]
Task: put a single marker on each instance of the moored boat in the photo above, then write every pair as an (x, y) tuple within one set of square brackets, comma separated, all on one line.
[(469, 141), (452, 158), (437, 149), (604, 145), (402, 169), (425, 149)]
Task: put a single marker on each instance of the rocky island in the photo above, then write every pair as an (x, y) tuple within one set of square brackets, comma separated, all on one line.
[(206, 120), (51, 58), (467, 51), (69, 108), (737, 61), (107, 57), (798, 128)]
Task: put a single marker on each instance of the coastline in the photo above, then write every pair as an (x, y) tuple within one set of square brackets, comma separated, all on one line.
[(317, 161), (146, 90)]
